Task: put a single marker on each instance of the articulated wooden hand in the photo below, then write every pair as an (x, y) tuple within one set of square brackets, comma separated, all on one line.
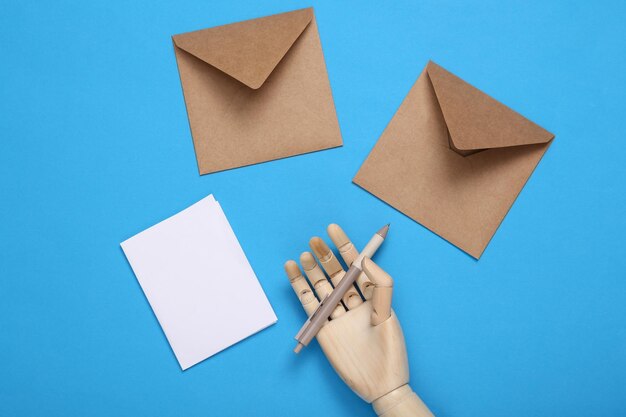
[(363, 340)]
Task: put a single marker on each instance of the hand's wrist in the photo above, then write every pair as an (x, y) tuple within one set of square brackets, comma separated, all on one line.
[(401, 402)]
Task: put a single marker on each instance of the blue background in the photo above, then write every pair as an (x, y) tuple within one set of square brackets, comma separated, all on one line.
[(95, 147)]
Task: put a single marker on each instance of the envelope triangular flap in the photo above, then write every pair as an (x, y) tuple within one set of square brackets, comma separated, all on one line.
[(475, 120), (250, 50)]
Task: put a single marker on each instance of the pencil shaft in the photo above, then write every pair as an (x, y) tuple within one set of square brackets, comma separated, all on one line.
[(325, 309)]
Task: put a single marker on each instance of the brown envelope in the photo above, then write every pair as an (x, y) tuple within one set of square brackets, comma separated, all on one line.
[(453, 159), (256, 91)]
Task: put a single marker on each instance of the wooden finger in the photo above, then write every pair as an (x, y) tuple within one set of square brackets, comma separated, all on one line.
[(318, 280), (334, 270), (348, 253), (382, 293), (301, 287)]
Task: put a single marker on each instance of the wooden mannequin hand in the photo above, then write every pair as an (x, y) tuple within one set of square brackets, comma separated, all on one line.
[(363, 340)]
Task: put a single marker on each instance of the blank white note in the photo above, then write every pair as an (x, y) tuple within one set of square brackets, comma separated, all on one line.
[(199, 282)]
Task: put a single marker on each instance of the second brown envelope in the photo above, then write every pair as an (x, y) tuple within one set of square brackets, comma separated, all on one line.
[(256, 91), (453, 159)]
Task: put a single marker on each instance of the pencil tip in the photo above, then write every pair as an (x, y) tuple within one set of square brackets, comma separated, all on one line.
[(383, 232)]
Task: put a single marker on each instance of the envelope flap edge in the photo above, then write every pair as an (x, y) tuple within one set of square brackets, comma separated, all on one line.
[(250, 50), (477, 121)]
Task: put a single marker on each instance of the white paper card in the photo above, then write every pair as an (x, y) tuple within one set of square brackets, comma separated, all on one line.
[(199, 282)]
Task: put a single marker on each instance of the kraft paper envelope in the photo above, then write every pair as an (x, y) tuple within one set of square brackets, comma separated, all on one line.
[(453, 159), (256, 91)]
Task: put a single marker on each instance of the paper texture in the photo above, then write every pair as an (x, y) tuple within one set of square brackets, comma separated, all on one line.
[(198, 282), (453, 159), (256, 91)]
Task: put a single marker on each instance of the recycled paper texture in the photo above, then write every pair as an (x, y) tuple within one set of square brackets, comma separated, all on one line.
[(453, 159), (256, 91)]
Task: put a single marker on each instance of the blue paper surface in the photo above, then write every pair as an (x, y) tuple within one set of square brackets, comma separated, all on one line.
[(95, 147)]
